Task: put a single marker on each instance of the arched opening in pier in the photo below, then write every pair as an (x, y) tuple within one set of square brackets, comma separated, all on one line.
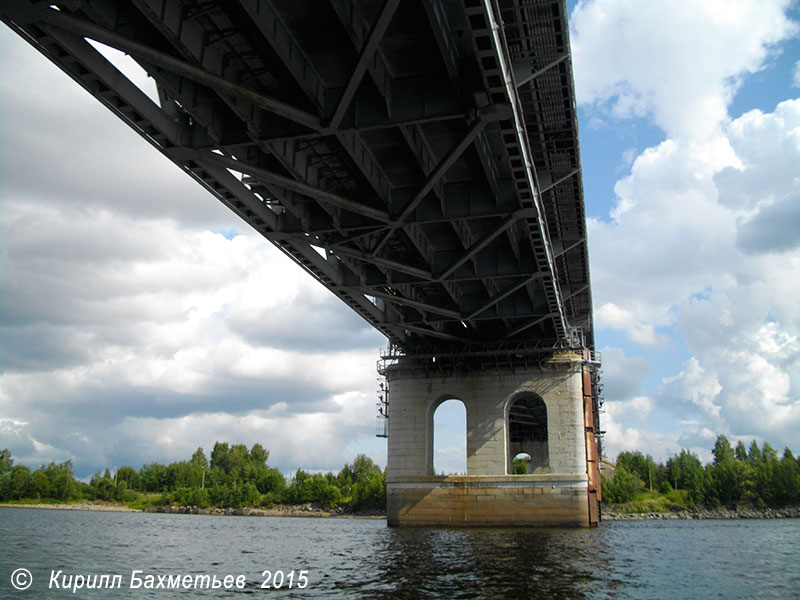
[(450, 438), (527, 433)]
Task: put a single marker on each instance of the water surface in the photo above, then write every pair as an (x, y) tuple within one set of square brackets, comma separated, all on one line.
[(363, 558)]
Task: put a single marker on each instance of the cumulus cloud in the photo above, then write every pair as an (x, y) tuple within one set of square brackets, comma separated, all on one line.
[(704, 238), (667, 230), (679, 62), (137, 325), (140, 318), (626, 435), (693, 385), (622, 375), (717, 246)]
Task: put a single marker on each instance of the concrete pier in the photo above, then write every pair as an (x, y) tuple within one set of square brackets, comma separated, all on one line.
[(540, 410)]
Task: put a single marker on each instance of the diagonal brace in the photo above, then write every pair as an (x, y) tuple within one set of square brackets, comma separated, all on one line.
[(367, 54), (383, 262), (560, 180), (439, 170), (530, 76), (485, 240), (500, 296), (403, 301), (529, 324), (178, 66), (273, 178)]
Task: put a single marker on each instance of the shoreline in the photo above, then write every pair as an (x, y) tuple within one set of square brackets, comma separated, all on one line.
[(301, 511), (306, 511), (96, 506), (310, 512), (790, 512)]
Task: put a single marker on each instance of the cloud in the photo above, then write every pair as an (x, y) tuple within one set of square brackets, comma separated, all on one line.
[(709, 246), (703, 240), (775, 228), (680, 62), (768, 148), (155, 344), (136, 323), (621, 437), (86, 157), (669, 231), (611, 316), (693, 385), (622, 375)]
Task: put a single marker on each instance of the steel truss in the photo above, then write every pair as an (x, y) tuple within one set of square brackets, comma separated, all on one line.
[(419, 158)]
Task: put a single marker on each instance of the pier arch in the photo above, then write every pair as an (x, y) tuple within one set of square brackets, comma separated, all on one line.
[(447, 423), (527, 431)]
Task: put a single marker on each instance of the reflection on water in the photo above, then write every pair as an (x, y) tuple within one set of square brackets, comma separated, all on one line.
[(496, 563), (353, 558)]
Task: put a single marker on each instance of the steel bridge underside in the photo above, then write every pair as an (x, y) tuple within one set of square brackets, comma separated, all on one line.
[(419, 158)]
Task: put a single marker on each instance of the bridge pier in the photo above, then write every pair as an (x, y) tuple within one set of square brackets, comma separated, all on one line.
[(545, 410)]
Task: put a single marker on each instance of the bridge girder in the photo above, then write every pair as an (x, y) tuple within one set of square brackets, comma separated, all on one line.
[(419, 158)]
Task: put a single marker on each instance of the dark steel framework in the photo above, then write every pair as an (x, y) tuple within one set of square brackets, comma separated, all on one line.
[(419, 157)]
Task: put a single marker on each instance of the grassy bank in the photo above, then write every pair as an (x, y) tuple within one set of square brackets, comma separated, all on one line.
[(656, 502)]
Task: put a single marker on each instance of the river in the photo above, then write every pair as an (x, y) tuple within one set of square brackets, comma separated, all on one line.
[(362, 558)]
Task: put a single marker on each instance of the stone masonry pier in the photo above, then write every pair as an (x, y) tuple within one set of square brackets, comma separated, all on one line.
[(540, 410)]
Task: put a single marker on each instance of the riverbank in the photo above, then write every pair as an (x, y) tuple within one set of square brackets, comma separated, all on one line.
[(791, 512), (313, 512), (303, 510), (101, 506)]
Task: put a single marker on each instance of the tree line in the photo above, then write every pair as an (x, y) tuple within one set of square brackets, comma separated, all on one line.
[(232, 477), (737, 475)]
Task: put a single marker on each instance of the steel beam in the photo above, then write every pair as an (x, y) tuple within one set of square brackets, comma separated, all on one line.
[(271, 178), (522, 79), (529, 324), (485, 240), (403, 301), (447, 161), (178, 66), (367, 54), (501, 296)]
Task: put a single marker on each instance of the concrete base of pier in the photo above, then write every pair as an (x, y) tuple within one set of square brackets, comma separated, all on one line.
[(528, 500), (543, 411)]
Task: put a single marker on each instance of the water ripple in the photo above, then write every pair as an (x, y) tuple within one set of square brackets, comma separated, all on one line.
[(351, 558)]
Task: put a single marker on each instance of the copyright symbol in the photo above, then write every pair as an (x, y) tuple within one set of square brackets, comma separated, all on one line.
[(21, 579)]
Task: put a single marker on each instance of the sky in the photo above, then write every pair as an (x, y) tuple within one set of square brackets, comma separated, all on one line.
[(140, 319)]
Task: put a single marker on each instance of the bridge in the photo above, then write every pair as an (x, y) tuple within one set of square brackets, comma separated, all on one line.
[(419, 158)]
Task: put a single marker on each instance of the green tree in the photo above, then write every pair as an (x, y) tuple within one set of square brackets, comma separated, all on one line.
[(727, 485), (787, 475), (219, 457), (723, 453), (6, 462), (741, 452), (39, 484), (258, 455), (519, 466), (62, 481), (643, 467), (623, 487), (19, 482), (682, 469), (128, 476), (754, 453), (199, 459), (153, 478)]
